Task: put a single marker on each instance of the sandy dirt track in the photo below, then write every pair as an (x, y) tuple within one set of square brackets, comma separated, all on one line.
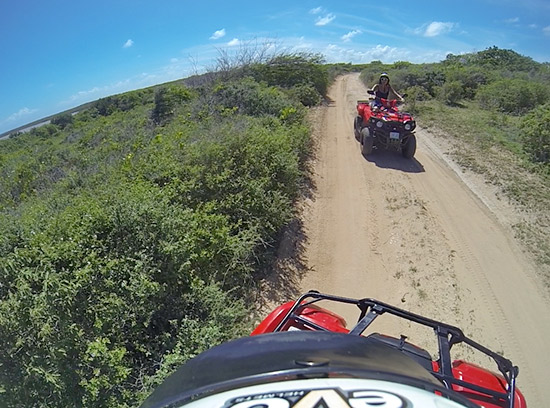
[(422, 236)]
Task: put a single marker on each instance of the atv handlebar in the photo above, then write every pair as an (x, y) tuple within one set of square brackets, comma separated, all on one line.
[(384, 101)]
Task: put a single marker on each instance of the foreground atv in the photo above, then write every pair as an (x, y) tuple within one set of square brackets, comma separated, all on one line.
[(304, 356), (384, 127)]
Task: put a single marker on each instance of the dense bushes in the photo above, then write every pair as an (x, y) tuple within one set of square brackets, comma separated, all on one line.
[(62, 120), (96, 292), (167, 98), (248, 97), (306, 94), (470, 78), (127, 247), (493, 57), (303, 74), (515, 96), (451, 92), (536, 134), (289, 70), (123, 102)]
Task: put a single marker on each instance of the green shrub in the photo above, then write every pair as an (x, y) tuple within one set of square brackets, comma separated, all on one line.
[(45, 131), (306, 94), (515, 96), (451, 93), (415, 94), (470, 78), (536, 134), (97, 293), (62, 120), (252, 98), (290, 70), (164, 106), (122, 102)]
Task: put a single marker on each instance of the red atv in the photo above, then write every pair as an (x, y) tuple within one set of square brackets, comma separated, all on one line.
[(380, 125), (303, 355)]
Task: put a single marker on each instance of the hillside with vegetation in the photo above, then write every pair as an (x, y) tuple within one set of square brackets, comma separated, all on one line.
[(133, 234)]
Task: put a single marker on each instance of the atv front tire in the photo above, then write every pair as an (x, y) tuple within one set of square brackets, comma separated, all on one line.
[(367, 142), (409, 149)]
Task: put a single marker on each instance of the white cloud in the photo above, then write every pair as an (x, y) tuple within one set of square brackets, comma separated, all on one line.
[(383, 53), (512, 20), (20, 114), (234, 42), (323, 21), (218, 34), (138, 81), (17, 119), (316, 10), (128, 44), (88, 94), (347, 37), (434, 29), (546, 30)]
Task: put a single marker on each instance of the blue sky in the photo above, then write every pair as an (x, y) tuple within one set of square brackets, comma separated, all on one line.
[(58, 54)]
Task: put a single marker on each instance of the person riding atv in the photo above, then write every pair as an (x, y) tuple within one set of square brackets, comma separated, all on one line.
[(383, 90), (380, 124)]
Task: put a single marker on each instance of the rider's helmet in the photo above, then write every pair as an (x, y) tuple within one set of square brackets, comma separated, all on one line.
[(384, 75)]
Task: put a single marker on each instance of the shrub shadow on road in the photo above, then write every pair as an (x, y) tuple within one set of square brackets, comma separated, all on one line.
[(281, 280), (393, 160)]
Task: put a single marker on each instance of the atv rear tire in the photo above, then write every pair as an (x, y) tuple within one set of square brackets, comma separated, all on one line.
[(409, 149), (367, 142), (357, 127)]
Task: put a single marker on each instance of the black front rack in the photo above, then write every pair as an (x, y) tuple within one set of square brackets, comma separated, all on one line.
[(447, 337)]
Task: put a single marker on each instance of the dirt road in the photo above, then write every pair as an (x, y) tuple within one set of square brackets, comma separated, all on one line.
[(420, 235)]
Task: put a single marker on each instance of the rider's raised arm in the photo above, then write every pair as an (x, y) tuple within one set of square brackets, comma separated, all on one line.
[(397, 96)]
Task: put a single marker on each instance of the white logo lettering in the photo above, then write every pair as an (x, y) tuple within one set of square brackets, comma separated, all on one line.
[(379, 399), (324, 398), (263, 403)]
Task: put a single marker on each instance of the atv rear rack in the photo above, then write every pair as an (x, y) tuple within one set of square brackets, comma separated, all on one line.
[(447, 336)]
